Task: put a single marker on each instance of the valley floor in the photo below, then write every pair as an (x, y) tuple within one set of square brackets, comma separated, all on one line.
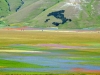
[(46, 52)]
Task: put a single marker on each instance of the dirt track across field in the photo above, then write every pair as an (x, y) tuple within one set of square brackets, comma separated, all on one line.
[(48, 30)]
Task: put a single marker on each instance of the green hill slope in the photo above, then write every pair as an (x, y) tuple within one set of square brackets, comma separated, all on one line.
[(64, 14), (85, 15), (4, 9)]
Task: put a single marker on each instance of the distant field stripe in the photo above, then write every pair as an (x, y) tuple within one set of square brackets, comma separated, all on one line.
[(22, 51)]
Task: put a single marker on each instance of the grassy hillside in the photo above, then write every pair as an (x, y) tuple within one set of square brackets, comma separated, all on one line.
[(4, 10), (89, 16), (83, 14), (31, 11)]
